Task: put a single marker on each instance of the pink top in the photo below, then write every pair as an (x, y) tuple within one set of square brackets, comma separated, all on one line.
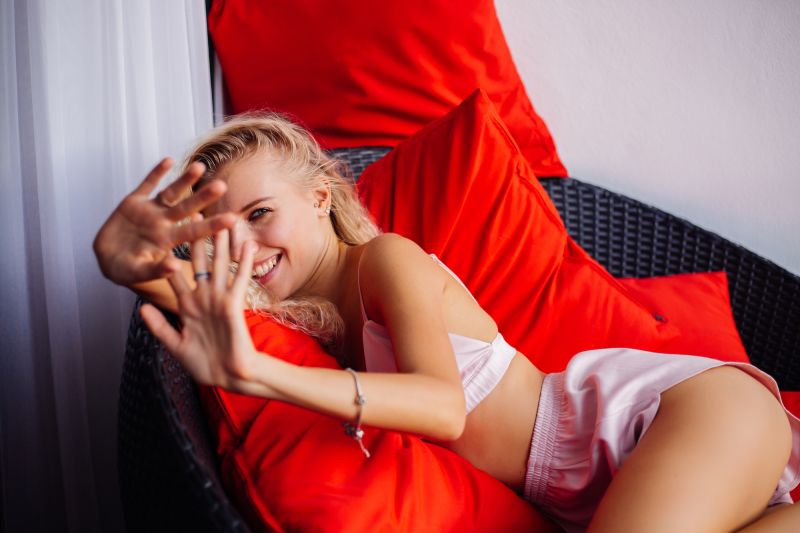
[(480, 363)]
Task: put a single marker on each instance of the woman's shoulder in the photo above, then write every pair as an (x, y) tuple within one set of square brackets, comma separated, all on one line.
[(398, 278), (392, 251), (391, 241), (391, 263)]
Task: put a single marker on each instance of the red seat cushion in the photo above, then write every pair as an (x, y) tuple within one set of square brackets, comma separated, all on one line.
[(699, 306), (373, 73), (292, 469), (791, 400)]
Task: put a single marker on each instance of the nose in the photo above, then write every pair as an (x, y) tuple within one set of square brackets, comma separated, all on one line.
[(240, 234)]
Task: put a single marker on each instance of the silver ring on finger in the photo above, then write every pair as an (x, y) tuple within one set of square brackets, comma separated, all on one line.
[(201, 275)]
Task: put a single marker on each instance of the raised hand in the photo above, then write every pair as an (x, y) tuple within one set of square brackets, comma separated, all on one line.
[(135, 243), (214, 345)]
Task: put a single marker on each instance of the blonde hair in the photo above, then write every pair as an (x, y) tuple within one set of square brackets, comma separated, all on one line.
[(246, 135)]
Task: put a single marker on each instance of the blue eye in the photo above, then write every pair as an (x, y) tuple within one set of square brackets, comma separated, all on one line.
[(258, 213)]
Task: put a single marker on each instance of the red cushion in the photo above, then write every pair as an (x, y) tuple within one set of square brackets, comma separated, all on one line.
[(461, 189), (290, 468), (372, 73), (791, 400), (699, 306)]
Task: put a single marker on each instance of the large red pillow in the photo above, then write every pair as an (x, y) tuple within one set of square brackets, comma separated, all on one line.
[(373, 73), (461, 189), (292, 469)]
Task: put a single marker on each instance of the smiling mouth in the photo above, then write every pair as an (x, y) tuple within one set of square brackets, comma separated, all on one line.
[(264, 269)]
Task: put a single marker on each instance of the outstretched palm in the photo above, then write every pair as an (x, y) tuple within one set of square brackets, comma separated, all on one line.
[(214, 344), (134, 244)]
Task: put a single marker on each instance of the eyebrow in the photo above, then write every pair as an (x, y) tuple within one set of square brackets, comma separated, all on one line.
[(254, 202)]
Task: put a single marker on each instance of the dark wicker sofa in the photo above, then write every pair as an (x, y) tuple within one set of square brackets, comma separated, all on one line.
[(167, 468)]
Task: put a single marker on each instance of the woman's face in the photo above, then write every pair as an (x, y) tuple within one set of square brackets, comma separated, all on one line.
[(280, 217)]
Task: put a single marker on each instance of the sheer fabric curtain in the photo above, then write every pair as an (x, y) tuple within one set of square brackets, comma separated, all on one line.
[(92, 94)]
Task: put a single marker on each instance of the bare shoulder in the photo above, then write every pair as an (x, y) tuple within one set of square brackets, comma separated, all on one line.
[(391, 255), (392, 246), (395, 269)]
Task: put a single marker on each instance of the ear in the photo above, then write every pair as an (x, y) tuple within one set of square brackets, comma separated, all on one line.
[(322, 197)]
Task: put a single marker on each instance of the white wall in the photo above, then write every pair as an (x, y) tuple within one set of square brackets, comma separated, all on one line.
[(692, 106)]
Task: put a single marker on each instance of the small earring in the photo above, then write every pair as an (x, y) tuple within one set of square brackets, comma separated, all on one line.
[(316, 204), (328, 210)]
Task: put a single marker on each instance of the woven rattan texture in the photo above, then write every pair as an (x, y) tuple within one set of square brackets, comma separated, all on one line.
[(357, 159), (167, 469)]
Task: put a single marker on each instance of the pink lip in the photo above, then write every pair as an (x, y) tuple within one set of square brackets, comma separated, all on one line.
[(269, 275)]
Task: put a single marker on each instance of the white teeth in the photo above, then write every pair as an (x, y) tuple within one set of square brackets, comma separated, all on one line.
[(263, 270)]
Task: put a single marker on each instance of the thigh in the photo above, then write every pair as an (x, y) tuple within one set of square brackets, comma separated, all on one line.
[(710, 461)]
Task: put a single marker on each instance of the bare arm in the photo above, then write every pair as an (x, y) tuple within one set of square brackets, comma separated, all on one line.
[(405, 290), (414, 403)]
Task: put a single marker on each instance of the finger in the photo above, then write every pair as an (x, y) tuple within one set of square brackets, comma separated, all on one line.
[(193, 231), (206, 196), (162, 329), (151, 181), (140, 270), (169, 265), (222, 260), (148, 270), (242, 279), (179, 188), (200, 258), (181, 287)]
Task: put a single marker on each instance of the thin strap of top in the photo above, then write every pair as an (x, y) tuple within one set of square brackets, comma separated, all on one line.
[(453, 274), (358, 283)]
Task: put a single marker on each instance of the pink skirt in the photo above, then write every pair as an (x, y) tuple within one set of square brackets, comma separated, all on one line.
[(591, 416)]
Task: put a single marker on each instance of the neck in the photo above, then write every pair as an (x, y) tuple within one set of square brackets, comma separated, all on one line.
[(326, 280)]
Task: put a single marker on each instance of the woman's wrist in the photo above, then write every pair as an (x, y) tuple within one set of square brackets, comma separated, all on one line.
[(259, 379)]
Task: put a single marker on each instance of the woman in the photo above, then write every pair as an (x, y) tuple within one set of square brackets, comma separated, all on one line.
[(623, 440)]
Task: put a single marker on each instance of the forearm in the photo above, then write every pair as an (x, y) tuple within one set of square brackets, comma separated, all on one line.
[(415, 403)]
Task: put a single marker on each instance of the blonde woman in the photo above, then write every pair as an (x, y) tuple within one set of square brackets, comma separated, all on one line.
[(622, 440)]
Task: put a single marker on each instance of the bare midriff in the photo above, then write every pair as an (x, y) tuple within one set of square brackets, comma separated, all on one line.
[(498, 432)]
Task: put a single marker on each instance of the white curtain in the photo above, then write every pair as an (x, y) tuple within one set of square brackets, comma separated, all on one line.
[(92, 94)]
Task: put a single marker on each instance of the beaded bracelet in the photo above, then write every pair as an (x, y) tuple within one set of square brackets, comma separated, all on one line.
[(352, 430)]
